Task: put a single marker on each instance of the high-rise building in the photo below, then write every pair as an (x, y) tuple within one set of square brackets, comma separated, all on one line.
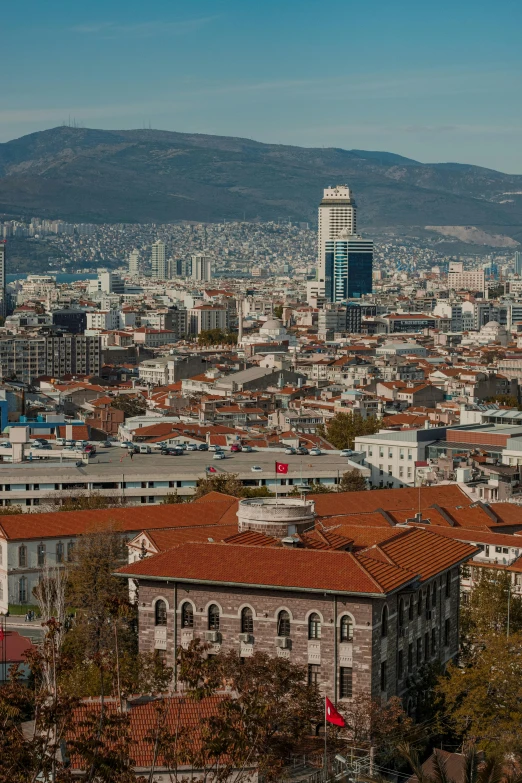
[(337, 212), (518, 262), (3, 300), (158, 260), (348, 267), (201, 268), (134, 261), (459, 279)]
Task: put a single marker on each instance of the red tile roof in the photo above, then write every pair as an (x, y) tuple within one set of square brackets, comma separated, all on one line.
[(128, 519), (390, 499), (275, 567)]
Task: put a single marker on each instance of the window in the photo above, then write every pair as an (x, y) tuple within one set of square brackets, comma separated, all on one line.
[(487, 550), (433, 641), (22, 590), (213, 618), (400, 664), (22, 556), (448, 584), (384, 676), (401, 472), (40, 554), (314, 671), (426, 646), (410, 657), (283, 623), (70, 551), (410, 608), (434, 595), (187, 616), (418, 654), (345, 682), (247, 620), (59, 552), (401, 454), (346, 629), (447, 627), (419, 604), (314, 626), (384, 622), (401, 614), (160, 613)]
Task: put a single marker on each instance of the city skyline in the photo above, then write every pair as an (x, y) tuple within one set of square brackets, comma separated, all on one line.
[(421, 94)]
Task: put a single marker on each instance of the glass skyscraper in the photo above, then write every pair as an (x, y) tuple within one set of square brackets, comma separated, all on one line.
[(348, 267)]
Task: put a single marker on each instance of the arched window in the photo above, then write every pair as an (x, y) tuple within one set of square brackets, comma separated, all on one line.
[(187, 616), (419, 603), (213, 618), (22, 590), (401, 613), (283, 623), (247, 620), (314, 626), (346, 629), (410, 608), (384, 622), (434, 594), (59, 552), (161, 613), (22, 556)]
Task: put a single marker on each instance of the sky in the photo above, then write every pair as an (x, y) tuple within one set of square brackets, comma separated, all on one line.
[(436, 82)]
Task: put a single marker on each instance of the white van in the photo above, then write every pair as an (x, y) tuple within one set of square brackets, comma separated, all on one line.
[(144, 449)]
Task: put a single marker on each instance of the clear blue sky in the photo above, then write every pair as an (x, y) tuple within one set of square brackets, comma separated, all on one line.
[(432, 81)]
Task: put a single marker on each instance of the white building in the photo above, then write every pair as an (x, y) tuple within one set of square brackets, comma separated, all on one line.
[(201, 268), (204, 317), (337, 211), (461, 280), (134, 261), (391, 456), (103, 319), (158, 260), (400, 349)]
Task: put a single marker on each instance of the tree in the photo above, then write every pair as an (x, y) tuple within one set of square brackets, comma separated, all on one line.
[(172, 498), (509, 400), (489, 602), (271, 711), (208, 337), (482, 695), (8, 510), (130, 405), (278, 311), (352, 481), (343, 428), (228, 484)]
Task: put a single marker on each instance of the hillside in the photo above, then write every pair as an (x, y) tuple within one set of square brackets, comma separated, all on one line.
[(80, 174)]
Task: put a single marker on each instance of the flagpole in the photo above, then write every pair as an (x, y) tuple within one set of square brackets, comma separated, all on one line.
[(325, 768), (275, 463)]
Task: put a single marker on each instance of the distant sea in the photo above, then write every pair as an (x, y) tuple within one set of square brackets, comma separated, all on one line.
[(61, 277)]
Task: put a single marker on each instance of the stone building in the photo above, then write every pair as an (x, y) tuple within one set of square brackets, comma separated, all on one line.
[(361, 622)]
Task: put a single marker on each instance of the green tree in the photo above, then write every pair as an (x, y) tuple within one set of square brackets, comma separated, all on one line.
[(482, 695), (488, 605), (172, 498), (278, 311), (228, 484), (208, 337), (508, 400), (352, 481), (343, 428), (6, 511), (130, 405)]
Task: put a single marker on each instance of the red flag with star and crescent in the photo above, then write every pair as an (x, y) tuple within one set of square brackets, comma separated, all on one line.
[(331, 714), (281, 467)]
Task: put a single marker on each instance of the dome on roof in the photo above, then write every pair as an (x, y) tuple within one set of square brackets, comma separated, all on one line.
[(493, 325), (272, 323)]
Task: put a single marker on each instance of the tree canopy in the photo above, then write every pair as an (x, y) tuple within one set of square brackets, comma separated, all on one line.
[(343, 428)]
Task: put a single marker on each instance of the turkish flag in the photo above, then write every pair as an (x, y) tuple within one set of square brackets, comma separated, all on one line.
[(331, 714), (281, 467), (1, 634)]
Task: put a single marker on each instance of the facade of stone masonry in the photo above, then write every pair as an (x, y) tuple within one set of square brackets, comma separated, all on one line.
[(382, 659)]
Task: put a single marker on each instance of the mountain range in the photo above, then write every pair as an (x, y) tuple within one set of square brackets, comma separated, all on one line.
[(87, 175)]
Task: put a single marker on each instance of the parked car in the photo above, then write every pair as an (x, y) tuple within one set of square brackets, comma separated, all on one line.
[(256, 469), (174, 451), (145, 449), (192, 447), (81, 443), (301, 450), (315, 452), (213, 448), (125, 444), (46, 446), (248, 449), (219, 455), (236, 447), (346, 453), (203, 447), (290, 450), (107, 444), (61, 441)]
